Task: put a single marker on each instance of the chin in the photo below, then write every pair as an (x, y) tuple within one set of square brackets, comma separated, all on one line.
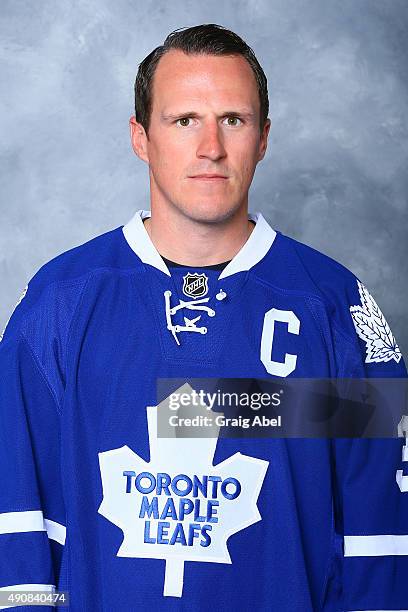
[(209, 212)]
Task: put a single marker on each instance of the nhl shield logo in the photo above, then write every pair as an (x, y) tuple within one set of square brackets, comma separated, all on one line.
[(195, 285)]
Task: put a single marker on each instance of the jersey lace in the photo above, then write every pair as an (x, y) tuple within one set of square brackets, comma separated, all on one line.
[(189, 324)]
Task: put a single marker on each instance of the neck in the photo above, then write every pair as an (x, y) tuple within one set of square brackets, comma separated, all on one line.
[(193, 243)]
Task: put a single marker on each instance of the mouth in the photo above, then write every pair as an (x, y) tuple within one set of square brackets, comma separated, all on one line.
[(209, 177)]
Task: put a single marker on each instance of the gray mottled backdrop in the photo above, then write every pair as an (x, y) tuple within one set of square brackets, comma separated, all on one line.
[(335, 174)]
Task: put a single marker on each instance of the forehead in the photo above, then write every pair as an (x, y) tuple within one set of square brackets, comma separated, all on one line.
[(203, 78)]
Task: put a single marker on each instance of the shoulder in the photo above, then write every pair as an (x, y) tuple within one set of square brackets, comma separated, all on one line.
[(352, 310), (295, 266), (107, 250), (58, 284)]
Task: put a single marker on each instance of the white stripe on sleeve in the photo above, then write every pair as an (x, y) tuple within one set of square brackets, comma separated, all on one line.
[(31, 520), (375, 545)]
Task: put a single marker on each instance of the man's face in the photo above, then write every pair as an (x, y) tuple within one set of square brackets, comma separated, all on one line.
[(204, 120)]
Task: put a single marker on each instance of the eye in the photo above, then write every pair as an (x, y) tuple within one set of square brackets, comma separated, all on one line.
[(183, 119), (234, 118)]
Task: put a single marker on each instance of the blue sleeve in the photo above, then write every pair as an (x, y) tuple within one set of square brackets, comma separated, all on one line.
[(33, 355), (371, 477), (32, 516)]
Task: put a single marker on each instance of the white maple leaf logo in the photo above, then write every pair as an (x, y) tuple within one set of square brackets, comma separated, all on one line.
[(179, 506), (371, 326)]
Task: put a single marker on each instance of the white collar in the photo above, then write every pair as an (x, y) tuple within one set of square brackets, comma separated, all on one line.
[(255, 248)]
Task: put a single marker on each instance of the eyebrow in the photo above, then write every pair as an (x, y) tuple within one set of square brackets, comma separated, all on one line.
[(236, 113)]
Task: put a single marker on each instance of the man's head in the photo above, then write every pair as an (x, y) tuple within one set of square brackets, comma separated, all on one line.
[(201, 108)]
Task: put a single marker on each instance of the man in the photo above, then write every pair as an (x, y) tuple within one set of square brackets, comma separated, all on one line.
[(93, 502)]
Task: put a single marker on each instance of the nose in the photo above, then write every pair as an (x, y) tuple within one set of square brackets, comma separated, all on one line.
[(211, 144)]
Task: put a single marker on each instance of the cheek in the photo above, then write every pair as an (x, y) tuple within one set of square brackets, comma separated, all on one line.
[(170, 159), (243, 154), (244, 165)]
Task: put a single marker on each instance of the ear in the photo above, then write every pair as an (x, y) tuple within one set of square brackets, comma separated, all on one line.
[(138, 139), (264, 139)]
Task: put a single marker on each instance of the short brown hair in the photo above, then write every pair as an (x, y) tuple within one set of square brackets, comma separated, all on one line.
[(208, 38)]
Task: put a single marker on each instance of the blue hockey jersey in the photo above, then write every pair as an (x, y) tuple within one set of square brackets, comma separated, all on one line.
[(94, 503)]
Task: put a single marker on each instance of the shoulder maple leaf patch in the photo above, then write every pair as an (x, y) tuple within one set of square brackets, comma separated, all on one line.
[(373, 329)]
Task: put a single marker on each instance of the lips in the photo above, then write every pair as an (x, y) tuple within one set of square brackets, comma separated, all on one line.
[(209, 176)]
